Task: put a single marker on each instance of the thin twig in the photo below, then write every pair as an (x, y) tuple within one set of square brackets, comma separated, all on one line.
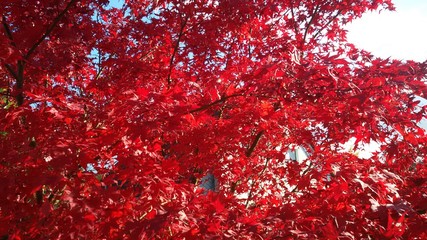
[(175, 50), (253, 183), (98, 74), (293, 18), (327, 24), (310, 22), (8, 91), (248, 154), (221, 100), (303, 173)]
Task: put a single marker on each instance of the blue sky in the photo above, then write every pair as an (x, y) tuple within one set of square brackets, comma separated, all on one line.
[(116, 3)]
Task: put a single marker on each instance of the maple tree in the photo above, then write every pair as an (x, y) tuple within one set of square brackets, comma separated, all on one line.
[(111, 117)]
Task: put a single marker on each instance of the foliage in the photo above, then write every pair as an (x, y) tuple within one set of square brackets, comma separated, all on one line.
[(111, 117)]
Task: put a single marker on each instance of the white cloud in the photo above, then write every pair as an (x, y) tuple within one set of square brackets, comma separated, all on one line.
[(401, 34)]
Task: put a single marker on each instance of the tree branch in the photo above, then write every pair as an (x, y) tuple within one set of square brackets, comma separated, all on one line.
[(11, 71), (19, 73), (327, 24), (8, 32), (254, 143), (175, 50), (316, 9), (20, 83), (253, 183), (302, 174), (293, 18), (12, 42), (49, 29), (221, 100)]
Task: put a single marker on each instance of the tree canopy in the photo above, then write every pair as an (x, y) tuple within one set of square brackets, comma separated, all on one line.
[(113, 118)]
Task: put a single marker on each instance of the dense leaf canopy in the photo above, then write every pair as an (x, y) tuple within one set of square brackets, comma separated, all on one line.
[(112, 117)]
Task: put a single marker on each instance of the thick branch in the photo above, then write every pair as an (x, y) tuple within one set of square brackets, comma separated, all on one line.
[(12, 42), (254, 143), (19, 73), (49, 29), (20, 83), (11, 71), (8, 32)]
